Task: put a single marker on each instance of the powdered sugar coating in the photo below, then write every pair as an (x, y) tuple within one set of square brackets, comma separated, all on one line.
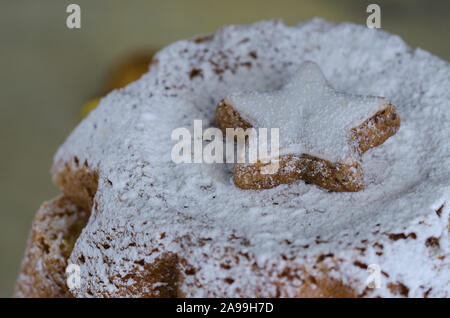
[(208, 222), (313, 118)]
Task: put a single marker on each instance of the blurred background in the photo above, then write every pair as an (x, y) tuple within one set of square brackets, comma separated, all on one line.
[(48, 72)]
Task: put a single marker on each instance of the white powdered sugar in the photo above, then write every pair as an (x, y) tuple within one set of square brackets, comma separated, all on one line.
[(243, 242), (313, 118)]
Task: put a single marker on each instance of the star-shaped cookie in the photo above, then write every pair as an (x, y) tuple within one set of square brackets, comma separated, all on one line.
[(323, 132)]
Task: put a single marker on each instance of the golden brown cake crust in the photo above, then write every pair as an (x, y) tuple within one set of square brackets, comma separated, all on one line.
[(56, 226), (55, 229), (78, 182), (331, 176)]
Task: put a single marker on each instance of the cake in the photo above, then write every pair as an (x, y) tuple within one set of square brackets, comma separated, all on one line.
[(138, 225)]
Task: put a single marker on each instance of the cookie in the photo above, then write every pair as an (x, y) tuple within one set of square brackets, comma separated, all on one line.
[(323, 132)]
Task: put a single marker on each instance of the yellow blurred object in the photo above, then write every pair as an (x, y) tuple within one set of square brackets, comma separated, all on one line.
[(90, 105), (123, 74), (128, 71)]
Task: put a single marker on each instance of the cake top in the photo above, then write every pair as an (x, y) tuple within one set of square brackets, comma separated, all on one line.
[(312, 116), (146, 205)]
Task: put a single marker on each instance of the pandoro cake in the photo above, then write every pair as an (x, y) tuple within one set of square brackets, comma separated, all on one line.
[(136, 224)]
